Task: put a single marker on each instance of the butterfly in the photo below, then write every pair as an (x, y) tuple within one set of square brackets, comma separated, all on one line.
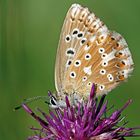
[(88, 53)]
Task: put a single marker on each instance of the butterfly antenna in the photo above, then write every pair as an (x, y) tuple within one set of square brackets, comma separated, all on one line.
[(29, 100)]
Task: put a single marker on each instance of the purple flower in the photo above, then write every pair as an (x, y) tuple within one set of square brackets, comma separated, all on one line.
[(85, 121)]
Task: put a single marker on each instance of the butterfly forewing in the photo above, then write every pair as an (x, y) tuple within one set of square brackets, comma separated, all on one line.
[(89, 53), (70, 39)]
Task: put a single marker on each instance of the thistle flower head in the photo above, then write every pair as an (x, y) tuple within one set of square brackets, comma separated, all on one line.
[(84, 121)]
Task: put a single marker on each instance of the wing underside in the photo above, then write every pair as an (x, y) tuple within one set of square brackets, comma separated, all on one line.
[(89, 53)]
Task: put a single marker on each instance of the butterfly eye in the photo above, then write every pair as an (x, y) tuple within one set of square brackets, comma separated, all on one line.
[(87, 56), (72, 74), (101, 50), (53, 102), (68, 38), (77, 63), (102, 71), (101, 87)]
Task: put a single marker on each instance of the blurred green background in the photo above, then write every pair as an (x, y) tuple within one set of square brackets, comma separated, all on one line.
[(29, 34)]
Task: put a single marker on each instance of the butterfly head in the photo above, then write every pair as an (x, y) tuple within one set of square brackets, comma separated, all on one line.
[(59, 100)]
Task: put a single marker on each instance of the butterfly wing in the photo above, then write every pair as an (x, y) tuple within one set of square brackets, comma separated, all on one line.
[(69, 43), (89, 53)]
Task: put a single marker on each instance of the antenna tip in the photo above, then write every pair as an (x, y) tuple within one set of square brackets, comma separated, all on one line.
[(47, 102), (16, 108)]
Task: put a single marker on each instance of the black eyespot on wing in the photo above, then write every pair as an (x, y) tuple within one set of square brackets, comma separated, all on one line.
[(77, 63), (101, 50), (70, 52), (69, 62), (67, 38), (72, 74), (75, 32), (83, 41), (80, 35)]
